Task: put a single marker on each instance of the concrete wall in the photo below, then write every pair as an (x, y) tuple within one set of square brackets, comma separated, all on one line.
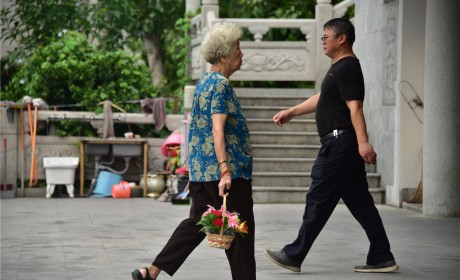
[(376, 33), (390, 44), (409, 85)]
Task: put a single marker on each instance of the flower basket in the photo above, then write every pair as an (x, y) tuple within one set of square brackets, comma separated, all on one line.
[(220, 226), (220, 241)]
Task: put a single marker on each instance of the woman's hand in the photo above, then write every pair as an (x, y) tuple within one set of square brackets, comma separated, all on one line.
[(225, 183)]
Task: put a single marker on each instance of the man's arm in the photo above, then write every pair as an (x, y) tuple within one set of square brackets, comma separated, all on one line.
[(306, 107), (359, 124)]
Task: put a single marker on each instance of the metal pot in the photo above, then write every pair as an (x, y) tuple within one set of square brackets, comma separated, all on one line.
[(155, 184)]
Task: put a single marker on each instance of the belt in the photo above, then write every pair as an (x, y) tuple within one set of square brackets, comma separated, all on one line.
[(335, 134)]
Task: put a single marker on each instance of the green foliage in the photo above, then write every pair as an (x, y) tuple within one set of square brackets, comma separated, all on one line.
[(112, 24), (177, 56), (34, 23), (69, 70), (31, 24)]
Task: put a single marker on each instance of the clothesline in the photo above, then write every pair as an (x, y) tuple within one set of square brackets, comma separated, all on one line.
[(17, 105)]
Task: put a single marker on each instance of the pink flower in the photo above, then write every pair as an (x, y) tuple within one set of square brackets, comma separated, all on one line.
[(233, 220), (209, 211)]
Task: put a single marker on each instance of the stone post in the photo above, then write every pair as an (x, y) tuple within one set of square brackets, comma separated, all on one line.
[(441, 173), (209, 11), (209, 6), (9, 152), (192, 5), (323, 13)]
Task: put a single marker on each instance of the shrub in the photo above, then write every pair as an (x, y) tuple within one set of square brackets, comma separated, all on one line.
[(70, 70)]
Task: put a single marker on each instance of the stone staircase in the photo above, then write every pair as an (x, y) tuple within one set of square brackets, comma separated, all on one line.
[(283, 156)]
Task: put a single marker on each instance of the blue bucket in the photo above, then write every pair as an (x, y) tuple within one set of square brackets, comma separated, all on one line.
[(104, 184)]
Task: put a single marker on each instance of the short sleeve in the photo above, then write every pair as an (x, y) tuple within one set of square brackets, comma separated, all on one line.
[(221, 97), (351, 82)]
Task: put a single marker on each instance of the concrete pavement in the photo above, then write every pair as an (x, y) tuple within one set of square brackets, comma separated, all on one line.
[(83, 238)]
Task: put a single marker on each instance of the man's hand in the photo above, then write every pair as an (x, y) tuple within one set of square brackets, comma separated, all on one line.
[(282, 117), (367, 153)]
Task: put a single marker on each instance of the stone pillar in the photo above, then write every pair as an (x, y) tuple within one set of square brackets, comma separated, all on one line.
[(323, 13), (192, 5), (8, 152), (441, 172), (209, 12), (209, 6)]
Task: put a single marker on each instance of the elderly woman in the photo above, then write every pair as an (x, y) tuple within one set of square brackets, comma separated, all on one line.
[(220, 161)]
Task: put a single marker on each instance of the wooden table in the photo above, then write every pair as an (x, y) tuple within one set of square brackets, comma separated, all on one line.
[(118, 141)]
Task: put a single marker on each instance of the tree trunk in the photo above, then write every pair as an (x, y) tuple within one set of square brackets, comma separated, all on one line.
[(154, 58)]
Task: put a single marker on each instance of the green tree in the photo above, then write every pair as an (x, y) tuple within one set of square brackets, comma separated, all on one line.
[(31, 24), (125, 22), (69, 70), (137, 25)]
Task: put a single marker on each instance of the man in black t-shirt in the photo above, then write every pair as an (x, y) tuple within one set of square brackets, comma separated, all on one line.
[(339, 170)]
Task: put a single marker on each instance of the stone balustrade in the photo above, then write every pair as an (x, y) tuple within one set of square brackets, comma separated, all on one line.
[(265, 60)]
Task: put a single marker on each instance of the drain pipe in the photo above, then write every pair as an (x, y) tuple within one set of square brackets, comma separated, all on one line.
[(127, 160), (102, 166)]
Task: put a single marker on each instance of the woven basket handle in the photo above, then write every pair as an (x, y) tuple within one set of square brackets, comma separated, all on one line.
[(224, 212)]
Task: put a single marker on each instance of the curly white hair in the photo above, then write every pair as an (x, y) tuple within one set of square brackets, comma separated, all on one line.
[(219, 41)]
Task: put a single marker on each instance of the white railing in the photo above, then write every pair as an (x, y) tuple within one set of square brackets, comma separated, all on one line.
[(270, 60)]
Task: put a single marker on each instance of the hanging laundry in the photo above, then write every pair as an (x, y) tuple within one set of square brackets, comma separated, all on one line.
[(156, 107)]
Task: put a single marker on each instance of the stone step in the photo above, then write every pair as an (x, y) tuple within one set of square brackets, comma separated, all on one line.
[(297, 179), (272, 96), (285, 151), (278, 164), (264, 101), (306, 125), (284, 156), (284, 137), (263, 194), (267, 112)]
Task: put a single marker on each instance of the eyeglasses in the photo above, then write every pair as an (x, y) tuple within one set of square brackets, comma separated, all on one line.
[(325, 37)]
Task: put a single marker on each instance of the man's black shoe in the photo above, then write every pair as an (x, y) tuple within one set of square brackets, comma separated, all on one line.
[(388, 266), (280, 258)]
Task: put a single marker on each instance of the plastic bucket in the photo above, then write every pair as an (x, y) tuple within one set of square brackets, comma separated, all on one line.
[(104, 184)]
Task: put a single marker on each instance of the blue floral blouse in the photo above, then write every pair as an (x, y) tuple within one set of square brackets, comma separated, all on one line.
[(214, 94)]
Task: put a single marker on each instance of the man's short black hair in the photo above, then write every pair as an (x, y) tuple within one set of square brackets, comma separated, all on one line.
[(342, 26)]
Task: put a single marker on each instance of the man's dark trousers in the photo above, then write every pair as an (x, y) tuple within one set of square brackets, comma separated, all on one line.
[(339, 172)]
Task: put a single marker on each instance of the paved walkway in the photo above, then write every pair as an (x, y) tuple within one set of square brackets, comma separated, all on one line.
[(47, 239)]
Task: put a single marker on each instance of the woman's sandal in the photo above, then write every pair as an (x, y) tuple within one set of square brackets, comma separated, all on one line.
[(137, 275)]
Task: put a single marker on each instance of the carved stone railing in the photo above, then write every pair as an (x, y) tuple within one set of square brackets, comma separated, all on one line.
[(270, 60)]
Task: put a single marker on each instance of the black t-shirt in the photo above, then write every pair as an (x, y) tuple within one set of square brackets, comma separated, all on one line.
[(344, 81)]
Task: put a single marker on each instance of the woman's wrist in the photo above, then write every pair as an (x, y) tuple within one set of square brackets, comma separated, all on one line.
[(224, 173)]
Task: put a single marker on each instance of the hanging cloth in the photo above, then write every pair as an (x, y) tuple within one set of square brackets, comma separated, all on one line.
[(108, 131), (156, 107)]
